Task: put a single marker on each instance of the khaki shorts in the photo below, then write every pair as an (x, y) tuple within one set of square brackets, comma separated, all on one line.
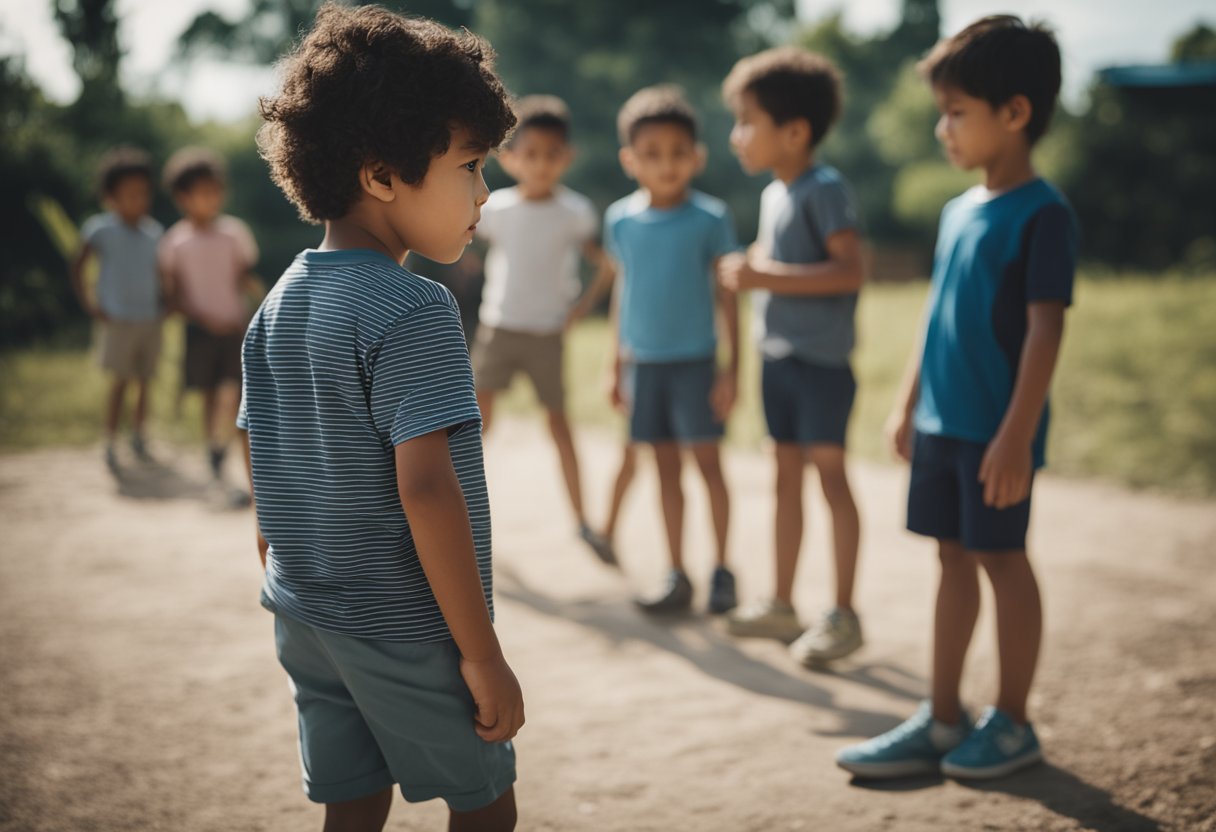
[(498, 354), (130, 349)]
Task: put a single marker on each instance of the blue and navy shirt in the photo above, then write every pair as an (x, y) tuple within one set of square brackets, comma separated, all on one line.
[(349, 356), (994, 256), (669, 288)]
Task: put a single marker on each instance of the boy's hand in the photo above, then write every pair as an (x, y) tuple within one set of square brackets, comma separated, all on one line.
[(723, 395), (898, 432), (1006, 472), (496, 694), (735, 273)]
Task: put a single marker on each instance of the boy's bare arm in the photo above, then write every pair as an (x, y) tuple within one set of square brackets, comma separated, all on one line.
[(898, 429), (439, 521), (726, 387), (600, 284), (841, 274), (263, 546), (1008, 464), (76, 277)]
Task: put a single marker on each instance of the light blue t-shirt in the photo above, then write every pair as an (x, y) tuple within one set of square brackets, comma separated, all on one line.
[(128, 288), (993, 257), (668, 287), (795, 222), (349, 356)]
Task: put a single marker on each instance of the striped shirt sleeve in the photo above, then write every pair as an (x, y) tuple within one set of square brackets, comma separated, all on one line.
[(421, 378)]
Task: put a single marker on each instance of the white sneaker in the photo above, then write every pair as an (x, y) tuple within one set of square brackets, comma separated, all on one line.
[(769, 618), (836, 635)]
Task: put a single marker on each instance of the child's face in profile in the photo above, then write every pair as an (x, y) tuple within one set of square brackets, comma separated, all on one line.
[(973, 133), (130, 198), (202, 202), (663, 158), (755, 138), (436, 218), (537, 158)]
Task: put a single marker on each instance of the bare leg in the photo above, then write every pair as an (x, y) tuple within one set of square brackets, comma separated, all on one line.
[(118, 391), (667, 459), (499, 816), (559, 428), (958, 606), (1019, 626), (225, 405), (624, 478), (846, 524), (209, 396), (485, 403), (141, 406), (788, 523), (709, 460), (367, 814)]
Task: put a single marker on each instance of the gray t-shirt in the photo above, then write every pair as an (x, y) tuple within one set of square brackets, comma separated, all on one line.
[(795, 220), (128, 288)]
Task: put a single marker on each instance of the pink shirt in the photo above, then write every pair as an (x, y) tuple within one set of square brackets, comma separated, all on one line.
[(208, 265)]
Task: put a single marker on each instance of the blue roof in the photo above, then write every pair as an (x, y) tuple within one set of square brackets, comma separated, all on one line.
[(1187, 74)]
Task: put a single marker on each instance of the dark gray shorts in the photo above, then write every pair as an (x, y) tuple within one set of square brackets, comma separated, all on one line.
[(807, 404), (670, 402), (374, 713)]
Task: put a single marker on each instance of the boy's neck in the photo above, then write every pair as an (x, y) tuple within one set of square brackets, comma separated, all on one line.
[(130, 222), (202, 224), (535, 194), (1009, 171), (667, 202), (342, 234), (787, 170)]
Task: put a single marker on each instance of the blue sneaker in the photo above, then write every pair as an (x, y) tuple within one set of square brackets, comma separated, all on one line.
[(911, 748), (998, 746)]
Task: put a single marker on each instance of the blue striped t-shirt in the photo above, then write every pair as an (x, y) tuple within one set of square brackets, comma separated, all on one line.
[(349, 356)]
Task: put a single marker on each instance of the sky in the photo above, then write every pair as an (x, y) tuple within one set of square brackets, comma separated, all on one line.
[(1092, 34)]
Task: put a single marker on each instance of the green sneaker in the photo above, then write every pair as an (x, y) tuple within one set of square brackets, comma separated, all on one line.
[(765, 619)]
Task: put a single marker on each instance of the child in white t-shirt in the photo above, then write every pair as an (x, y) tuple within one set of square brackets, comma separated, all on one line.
[(537, 231)]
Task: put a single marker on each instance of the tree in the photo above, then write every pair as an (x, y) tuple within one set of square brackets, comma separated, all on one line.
[(1199, 44)]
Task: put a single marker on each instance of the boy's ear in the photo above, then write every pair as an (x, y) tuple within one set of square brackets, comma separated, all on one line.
[(1016, 113), (376, 180), (799, 132), (627, 161)]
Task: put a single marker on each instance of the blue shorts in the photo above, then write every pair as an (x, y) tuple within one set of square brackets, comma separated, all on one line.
[(374, 713), (807, 404), (946, 498), (670, 402)]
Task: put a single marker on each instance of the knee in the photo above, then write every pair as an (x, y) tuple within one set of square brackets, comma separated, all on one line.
[(953, 557), (835, 486), (999, 564)]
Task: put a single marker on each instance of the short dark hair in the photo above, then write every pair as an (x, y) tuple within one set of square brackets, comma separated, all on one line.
[(190, 166), (789, 83), (660, 104), (122, 163), (996, 58), (367, 85), (542, 112)]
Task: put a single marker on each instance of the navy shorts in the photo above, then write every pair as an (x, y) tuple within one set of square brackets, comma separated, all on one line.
[(946, 498), (670, 402), (807, 404)]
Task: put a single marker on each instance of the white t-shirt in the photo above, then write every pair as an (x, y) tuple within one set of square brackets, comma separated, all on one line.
[(532, 264)]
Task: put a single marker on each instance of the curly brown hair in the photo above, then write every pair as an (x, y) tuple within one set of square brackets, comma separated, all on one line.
[(191, 165), (789, 83), (660, 104), (368, 85), (120, 163)]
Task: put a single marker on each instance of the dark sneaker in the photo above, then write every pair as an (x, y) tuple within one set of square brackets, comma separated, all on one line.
[(599, 544), (140, 449), (215, 458), (676, 595), (112, 461), (722, 596)]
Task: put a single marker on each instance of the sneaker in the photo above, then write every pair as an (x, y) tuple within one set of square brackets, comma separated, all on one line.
[(140, 448), (998, 746), (600, 544), (722, 591), (676, 595), (112, 461), (765, 619), (913, 747), (834, 636), (215, 458)]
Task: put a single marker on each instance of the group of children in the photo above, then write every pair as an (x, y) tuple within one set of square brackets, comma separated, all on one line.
[(201, 267), (363, 412)]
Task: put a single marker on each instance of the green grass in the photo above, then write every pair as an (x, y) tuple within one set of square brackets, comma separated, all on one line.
[(1134, 397)]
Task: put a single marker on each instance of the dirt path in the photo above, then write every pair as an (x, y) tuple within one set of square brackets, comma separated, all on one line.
[(139, 688)]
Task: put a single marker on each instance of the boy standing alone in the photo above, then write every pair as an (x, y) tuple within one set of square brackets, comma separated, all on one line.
[(128, 297), (972, 414), (667, 240), (808, 264), (536, 230)]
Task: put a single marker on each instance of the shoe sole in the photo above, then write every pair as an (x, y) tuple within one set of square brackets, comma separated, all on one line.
[(891, 771), (809, 659), (992, 772)]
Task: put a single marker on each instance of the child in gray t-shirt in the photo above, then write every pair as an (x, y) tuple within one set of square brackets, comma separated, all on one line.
[(807, 266)]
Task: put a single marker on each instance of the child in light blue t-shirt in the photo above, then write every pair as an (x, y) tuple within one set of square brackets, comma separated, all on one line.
[(667, 239)]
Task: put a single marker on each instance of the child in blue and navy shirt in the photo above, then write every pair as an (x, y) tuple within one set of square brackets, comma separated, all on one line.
[(363, 428), (972, 416), (667, 239)]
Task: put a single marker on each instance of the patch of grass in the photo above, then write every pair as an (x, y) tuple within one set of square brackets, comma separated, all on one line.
[(1134, 399)]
